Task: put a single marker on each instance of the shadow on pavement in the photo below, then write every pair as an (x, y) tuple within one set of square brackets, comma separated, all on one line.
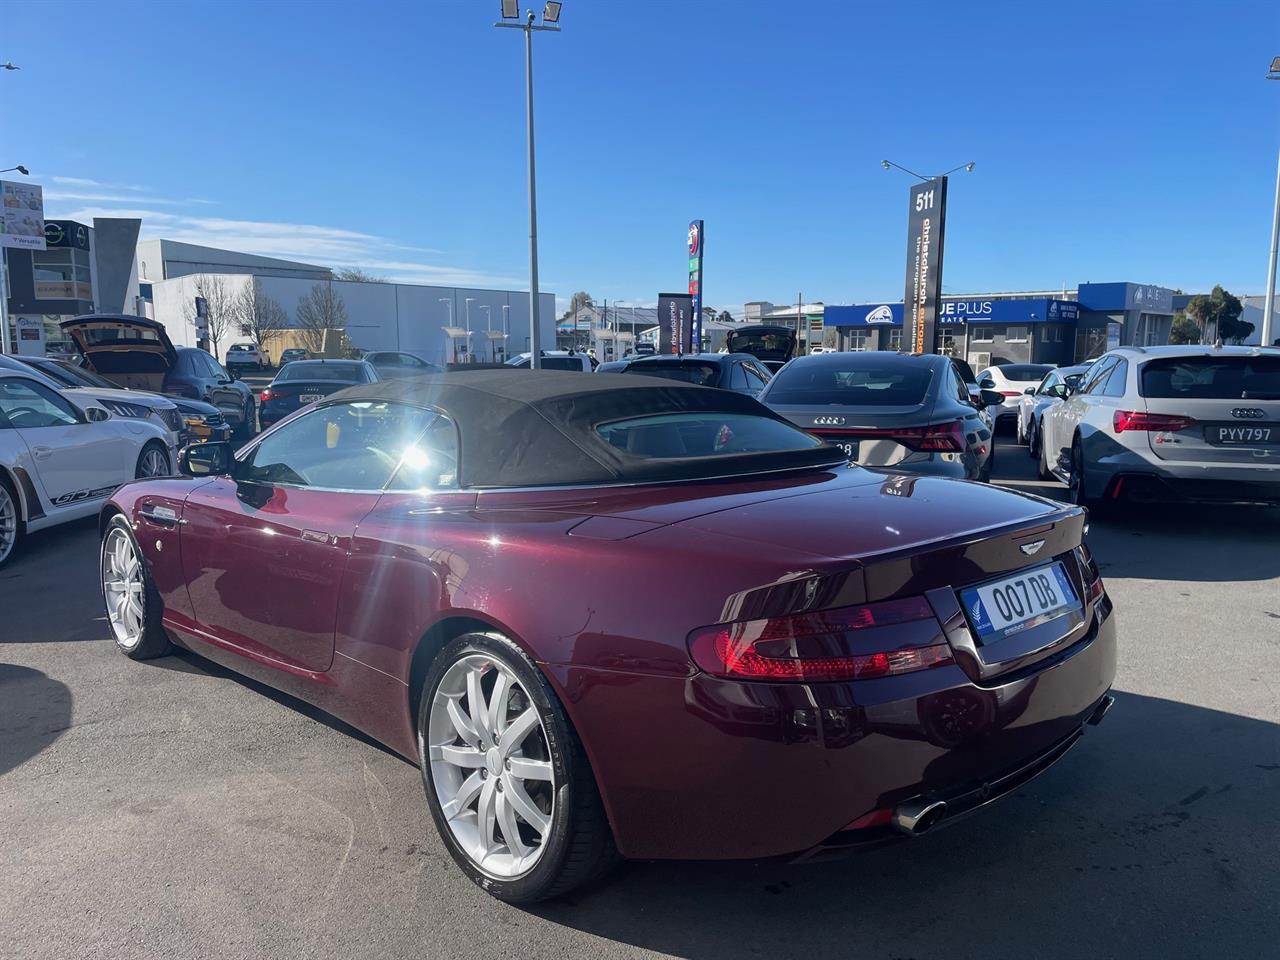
[(49, 589), (184, 661), (1161, 826), (34, 711)]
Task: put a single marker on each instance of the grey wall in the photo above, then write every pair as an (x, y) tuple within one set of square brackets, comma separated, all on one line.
[(115, 245)]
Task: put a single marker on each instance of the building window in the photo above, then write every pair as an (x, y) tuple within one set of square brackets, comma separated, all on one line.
[(947, 344), (859, 340), (1015, 334), (981, 335), (895, 339)]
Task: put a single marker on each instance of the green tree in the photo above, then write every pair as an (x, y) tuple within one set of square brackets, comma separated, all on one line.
[(1218, 316), (1184, 329)]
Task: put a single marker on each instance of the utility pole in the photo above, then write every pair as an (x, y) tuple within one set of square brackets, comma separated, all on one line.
[(799, 308)]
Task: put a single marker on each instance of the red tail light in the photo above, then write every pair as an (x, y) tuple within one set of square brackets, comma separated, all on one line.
[(1089, 568), (1012, 393), (265, 395), (1124, 420), (816, 646), (949, 437)]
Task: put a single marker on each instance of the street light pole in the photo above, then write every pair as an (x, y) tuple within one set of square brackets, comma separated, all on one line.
[(470, 357), (550, 15), (1269, 303), (453, 341)]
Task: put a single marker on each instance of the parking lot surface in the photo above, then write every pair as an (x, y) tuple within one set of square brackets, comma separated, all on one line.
[(171, 809)]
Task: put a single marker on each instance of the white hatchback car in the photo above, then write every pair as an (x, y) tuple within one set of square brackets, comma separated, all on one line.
[(1170, 423), (1011, 379), (244, 355), (59, 460)]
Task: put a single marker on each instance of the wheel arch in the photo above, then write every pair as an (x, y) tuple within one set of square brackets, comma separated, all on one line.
[(435, 639)]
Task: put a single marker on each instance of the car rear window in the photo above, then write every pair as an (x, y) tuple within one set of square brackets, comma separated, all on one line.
[(1025, 371), (1212, 378), (303, 370), (685, 435), (868, 383), (703, 374)]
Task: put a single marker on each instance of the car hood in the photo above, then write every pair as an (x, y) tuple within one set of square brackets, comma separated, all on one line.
[(111, 344), (195, 407), (152, 401)]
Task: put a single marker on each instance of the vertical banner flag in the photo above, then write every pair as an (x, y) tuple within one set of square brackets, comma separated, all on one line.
[(697, 239), (675, 327), (926, 223)]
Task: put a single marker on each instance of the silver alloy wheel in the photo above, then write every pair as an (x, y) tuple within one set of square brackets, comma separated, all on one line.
[(155, 463), (8, 523), (491, 766), (123, 588)]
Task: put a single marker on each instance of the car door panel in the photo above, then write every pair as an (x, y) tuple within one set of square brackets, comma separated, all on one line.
[(264, 565)]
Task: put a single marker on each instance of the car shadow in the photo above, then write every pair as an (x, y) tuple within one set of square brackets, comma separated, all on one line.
[(48, 589), (1160, 825), (184, 661), (35, 709)]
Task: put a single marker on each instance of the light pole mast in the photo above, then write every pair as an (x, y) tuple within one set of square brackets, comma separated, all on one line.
[(550, 17), (1269, 303)]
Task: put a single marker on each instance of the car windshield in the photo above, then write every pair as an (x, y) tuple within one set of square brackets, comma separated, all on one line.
[(319, 370), (1212, 378), (685, 435), (1028, 372), (861, 383), (704, 374)]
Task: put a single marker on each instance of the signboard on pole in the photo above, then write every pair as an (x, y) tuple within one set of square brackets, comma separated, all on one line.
[(697, 240), (675, 323), (21, 215), (202, 317), (926, 224)]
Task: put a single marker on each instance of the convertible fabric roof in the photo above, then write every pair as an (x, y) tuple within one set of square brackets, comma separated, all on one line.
[(522, 428)]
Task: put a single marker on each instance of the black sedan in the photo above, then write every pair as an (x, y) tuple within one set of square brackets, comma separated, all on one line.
[(910, 414), (739, 372), (393, 364), (306, 381)]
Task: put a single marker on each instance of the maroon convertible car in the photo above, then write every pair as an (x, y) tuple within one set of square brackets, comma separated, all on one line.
[(623, 616)]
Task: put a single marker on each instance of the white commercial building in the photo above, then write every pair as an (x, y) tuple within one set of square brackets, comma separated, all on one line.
[(430, 321)]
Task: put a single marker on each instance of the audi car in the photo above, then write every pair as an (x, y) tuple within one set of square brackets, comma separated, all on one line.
[(901, 412), (728, 371), (839, 656), (1173, 423), (306, 381)]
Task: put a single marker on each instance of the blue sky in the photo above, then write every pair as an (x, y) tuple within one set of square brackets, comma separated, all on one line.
[(1113, 141)]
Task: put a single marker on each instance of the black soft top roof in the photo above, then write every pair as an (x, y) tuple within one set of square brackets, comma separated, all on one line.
[(520, 428)]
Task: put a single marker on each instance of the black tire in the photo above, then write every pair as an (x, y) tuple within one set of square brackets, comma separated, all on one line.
[(153, 446), (1033, 441), (1042, 465), (9, 494), (154, 642), (1076, 491), (580, 847), (248, 415)]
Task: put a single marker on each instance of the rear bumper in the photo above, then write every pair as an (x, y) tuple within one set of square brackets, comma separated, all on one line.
[(1136, 478), (703, 768)]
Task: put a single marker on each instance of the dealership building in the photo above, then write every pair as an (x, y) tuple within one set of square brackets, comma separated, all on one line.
[(1059, 327)]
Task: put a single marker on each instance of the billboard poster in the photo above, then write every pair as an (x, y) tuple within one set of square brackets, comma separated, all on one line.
[(21, 215), (696, 240), (926, 223), (675, 323)]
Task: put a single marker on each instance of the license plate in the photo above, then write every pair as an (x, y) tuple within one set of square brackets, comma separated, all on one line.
[(1251, 434), (1019, 602), (306, 398), (848, 447)]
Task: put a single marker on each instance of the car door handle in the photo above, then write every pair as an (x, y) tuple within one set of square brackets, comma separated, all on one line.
[(164, 516), (42, 453)]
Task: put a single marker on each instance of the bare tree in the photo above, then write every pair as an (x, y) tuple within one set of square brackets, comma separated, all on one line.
[(259, 315), (219, 306), (320, 310), (356, 275)]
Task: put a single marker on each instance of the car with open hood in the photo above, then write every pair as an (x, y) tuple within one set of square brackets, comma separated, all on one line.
[(827, 656), (137, 354)]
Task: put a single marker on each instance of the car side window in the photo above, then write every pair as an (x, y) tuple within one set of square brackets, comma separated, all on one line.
[(1047, 384), (432, 462), (30, 405), (737, 377), (1117, 381), (205, 365), (1097, 375), (355, 446), (755, 380), (219, 371)]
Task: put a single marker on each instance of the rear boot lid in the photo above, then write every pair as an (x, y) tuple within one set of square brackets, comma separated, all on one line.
[(132, 351)]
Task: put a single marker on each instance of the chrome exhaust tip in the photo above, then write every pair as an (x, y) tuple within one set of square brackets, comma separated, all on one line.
[(915, 817), (1104, 705)]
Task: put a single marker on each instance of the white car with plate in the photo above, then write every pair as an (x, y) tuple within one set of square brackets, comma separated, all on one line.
[(60, 460)]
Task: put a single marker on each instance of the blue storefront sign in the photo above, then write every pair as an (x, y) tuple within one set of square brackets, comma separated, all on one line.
[(954, 311)]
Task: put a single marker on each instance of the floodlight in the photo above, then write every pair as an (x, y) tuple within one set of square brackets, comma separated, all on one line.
[(510, 9), (551, 12)]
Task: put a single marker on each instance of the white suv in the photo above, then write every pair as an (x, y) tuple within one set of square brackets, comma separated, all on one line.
[(1170, 423), (244, 355)]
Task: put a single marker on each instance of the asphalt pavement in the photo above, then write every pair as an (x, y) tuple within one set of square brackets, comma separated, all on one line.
[(171, 809)]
